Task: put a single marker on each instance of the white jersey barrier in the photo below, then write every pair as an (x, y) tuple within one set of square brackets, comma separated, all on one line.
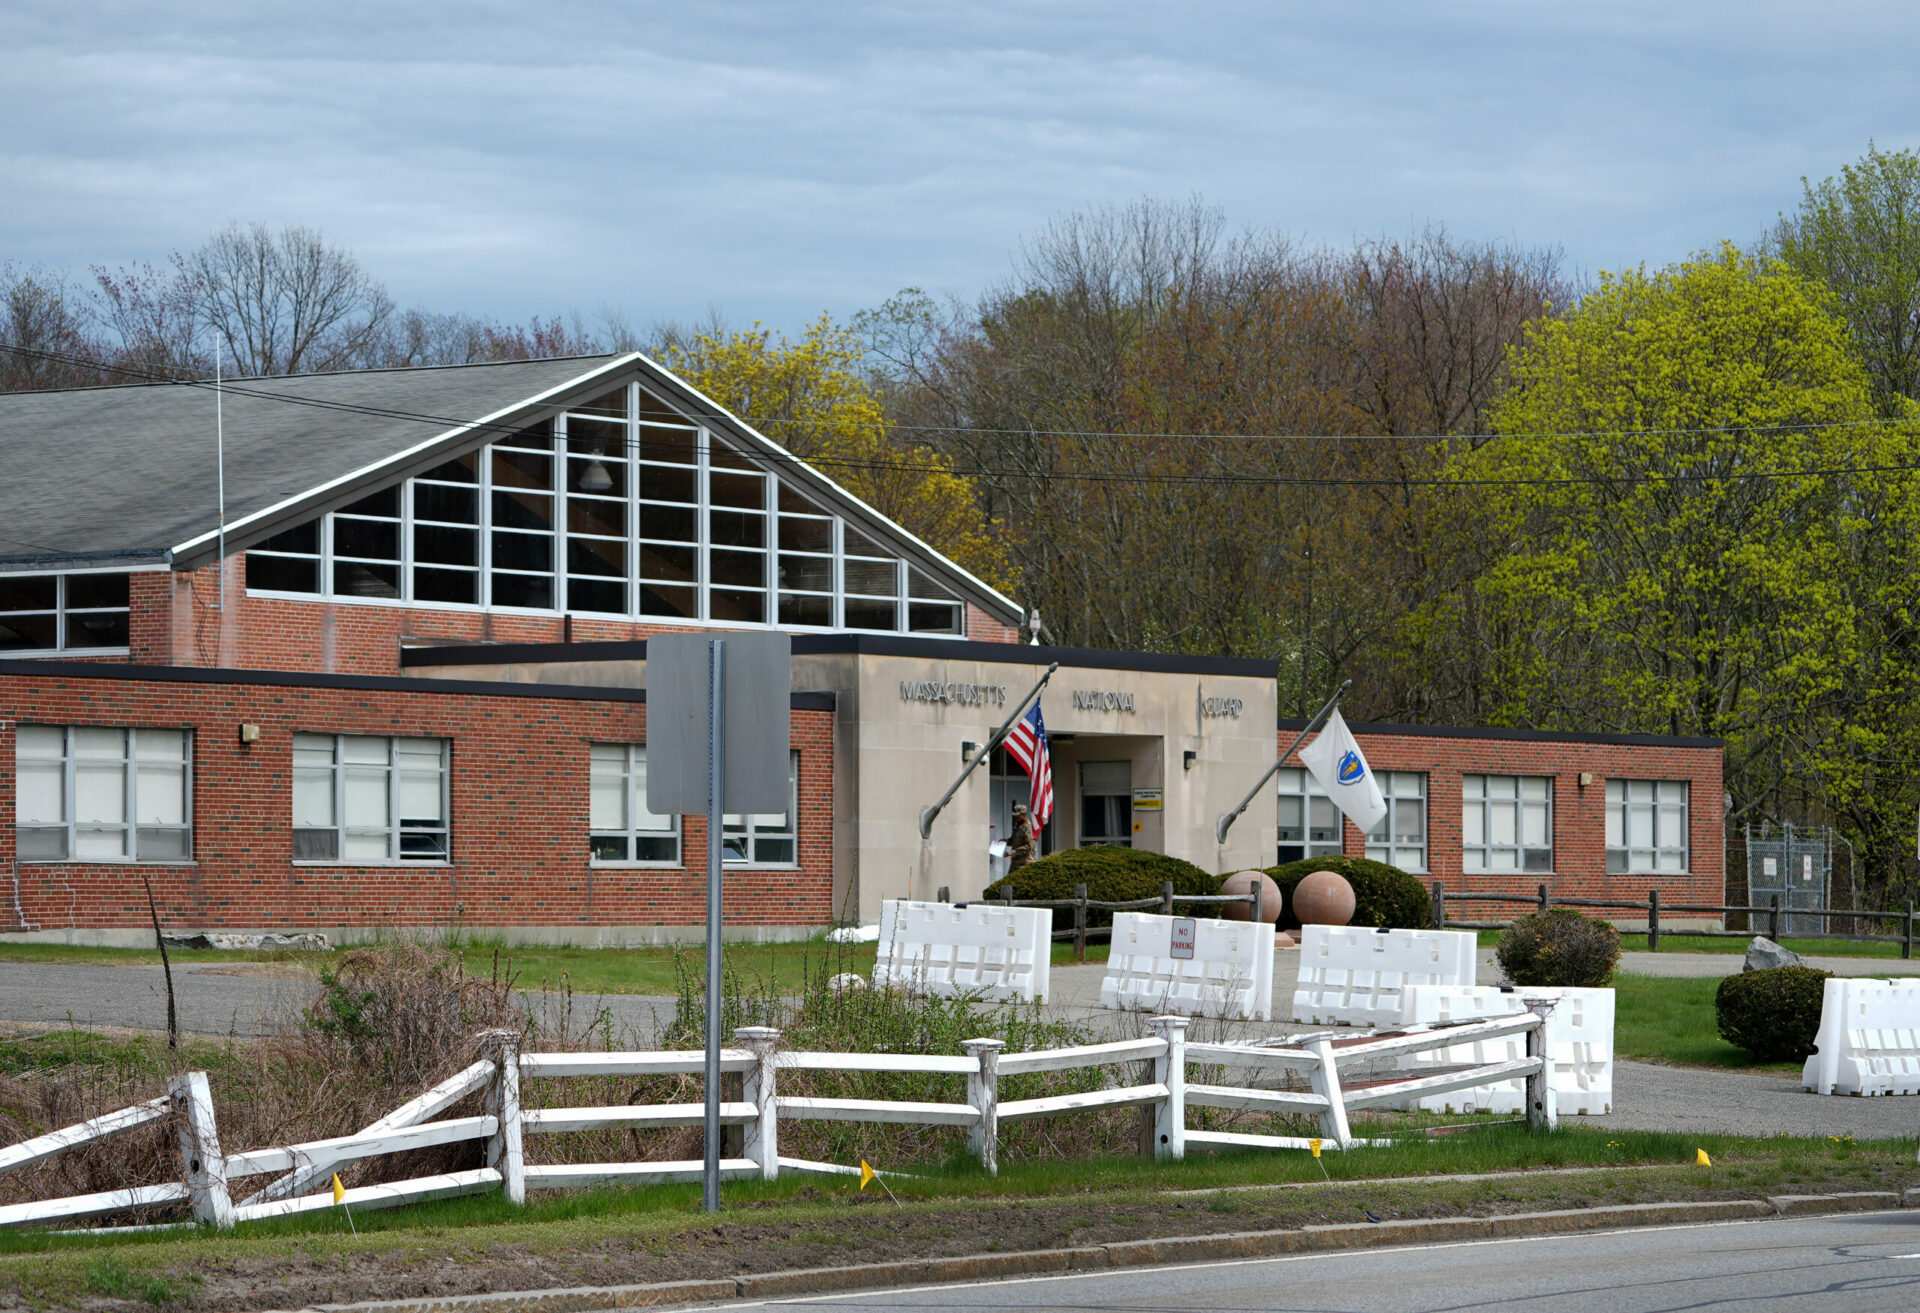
[(1869, 1040), (1227, 973), (999, 953), (1355, 976), (1579, 1043)]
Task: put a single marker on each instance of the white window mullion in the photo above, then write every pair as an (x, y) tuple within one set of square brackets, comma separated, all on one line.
[(633, 502), (839, 612), (406, 540), (561, 477), (129, 794), (73, 795), (393, 800), (702, 526), (485, 557)]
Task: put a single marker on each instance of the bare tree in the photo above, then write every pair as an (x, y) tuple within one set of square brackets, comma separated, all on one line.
[(43, 326), (286, 302), (152, 318)]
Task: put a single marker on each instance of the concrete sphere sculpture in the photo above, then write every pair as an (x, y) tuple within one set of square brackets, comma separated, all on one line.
[(1245, 882), (1323, 898)]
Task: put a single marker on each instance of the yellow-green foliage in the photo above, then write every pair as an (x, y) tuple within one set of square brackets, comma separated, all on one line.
[(1708, 529), (809, 397)]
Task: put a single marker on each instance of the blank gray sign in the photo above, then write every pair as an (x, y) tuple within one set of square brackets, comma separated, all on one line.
[(758, 685)]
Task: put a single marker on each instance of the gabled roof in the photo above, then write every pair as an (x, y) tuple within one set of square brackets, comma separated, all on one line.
[(98, 475)]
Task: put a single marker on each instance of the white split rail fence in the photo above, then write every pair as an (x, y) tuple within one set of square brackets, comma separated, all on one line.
[(1327, 1061)]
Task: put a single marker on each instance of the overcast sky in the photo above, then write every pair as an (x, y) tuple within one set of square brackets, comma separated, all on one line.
[(774, 160)]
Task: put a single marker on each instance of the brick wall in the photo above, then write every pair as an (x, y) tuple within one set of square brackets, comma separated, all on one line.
[(1579, 813), (177, 620), (519, 815)]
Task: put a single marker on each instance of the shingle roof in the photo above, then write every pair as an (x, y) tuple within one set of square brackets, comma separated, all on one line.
[(130, 471)]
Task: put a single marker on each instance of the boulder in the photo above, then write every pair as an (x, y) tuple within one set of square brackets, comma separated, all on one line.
[(1763, 954), (1323, 898), (1245, 882)]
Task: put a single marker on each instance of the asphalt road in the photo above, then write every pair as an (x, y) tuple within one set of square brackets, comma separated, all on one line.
[(1865, 1263)]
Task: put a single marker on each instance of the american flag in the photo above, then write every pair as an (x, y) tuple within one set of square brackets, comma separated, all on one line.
[(1027, 744)]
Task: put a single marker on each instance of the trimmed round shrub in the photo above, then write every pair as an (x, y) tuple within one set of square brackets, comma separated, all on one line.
[(1111, 875), (1559, 948), (1774, 1014), (1384, 897)]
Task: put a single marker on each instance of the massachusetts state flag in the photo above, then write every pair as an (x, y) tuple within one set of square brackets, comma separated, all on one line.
[(1027, 744), (1337, 764)]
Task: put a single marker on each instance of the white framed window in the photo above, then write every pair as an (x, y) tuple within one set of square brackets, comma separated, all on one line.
[(767, 839), (94, 794), (1506, 823), (1400, 839), (1646, 826), (1309, 822), (618, 506), (87, 613), (369, 799), (621, 831)]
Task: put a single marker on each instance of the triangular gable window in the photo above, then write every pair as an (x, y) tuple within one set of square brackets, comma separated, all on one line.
[(619, 506)]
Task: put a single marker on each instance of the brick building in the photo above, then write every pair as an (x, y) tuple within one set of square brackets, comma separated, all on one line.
[(396, 680)]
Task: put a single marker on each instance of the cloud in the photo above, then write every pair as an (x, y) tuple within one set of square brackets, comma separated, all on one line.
[(773, 160)]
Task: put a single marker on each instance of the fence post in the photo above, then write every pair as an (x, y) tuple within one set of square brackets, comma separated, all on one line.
[(1439, 906), (1080, 923), (1544, 901), (1773, 919), (983, 1092), (1653, 920), (205, 1167), (1326, 1083), (756, 1087), (1906, 932), (506, 1151), (1170, 1070), (1543, 1113), (1166, 898)]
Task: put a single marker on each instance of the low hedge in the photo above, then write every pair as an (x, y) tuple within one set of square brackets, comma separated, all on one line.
[(1111, 875), (1383, 896), (1774, 1013), (1559, 948)]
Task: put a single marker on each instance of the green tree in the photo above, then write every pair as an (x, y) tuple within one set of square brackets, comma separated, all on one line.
[(1685, 548), (1859, 234), (810, 397)]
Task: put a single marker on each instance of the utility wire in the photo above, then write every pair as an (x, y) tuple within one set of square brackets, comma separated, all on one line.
[(1096, 476)]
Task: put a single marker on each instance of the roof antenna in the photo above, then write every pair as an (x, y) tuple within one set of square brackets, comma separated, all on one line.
[(220, 475)]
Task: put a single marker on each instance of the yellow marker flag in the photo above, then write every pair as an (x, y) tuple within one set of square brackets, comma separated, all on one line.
[(866, 1174), (339, 1190), (1700, 1158), (1313, 1147)]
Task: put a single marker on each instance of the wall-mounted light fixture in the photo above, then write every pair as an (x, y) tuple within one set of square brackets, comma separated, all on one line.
[(967, 749), (1586, 778), (249, 733), (1187, 758)]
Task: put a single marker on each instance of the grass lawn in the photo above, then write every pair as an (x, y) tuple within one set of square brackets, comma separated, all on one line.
[(781, 967), (611, 1236), (1671, 1020)]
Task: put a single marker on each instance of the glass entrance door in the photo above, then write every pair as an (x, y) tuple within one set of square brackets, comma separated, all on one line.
[(1106, 804), (1010, 785)]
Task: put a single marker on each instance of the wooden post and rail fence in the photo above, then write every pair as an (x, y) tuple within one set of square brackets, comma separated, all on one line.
[(1653, 908)]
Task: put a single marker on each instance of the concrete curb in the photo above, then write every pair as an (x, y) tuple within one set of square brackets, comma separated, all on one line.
[(1133, 1253)]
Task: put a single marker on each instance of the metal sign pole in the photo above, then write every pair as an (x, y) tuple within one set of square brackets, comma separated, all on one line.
[(716, 852)]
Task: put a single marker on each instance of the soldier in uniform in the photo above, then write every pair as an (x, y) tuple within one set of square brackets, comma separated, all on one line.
[(1020, 846)]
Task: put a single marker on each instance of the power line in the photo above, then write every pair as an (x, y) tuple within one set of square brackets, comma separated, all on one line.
[(236, 386), (1095, 476)]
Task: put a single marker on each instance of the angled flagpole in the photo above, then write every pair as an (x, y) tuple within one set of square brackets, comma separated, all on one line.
[(929, 814), (1227, 819)]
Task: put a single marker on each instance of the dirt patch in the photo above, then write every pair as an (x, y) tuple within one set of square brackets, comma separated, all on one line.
[(824, 1227)]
